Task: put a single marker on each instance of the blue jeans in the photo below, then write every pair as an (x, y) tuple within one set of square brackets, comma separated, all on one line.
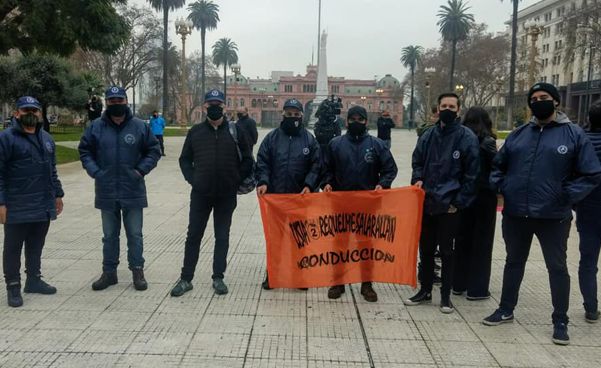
[(111, 227), (589, 228)]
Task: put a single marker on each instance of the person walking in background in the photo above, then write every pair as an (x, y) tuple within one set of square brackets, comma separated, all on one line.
[(588, 223), (385, 124), (157, 126), (474, 242)]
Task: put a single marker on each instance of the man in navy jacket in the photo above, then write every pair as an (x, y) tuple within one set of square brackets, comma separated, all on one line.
[(118, 151), (542, 170), (289, 158), (445, 164), (358, 161), (30, 196)]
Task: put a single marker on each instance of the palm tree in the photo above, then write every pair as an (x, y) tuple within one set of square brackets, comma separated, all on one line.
[(512, 64), (166, 6), (225, 53), (455, 24), (411, 57), (204, 14)]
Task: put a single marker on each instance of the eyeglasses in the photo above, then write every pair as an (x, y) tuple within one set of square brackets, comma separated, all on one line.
[(290, 114)]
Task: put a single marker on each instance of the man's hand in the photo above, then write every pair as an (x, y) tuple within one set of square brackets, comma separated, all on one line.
[(59, 206), (452, 209), (2, 214), (262, 189), (306, 190), (378, 187), (419, 184), (327, 188)]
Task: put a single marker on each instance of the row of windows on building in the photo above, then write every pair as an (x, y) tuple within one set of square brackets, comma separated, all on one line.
[(554, 79), (312, 88), (273, 103)]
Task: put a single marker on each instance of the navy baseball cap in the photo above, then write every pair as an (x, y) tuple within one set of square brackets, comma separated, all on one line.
[(215, 95), (293, 103), (28, 101), (115, 92)]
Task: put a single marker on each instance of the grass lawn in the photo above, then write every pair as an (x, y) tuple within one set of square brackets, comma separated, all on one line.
[(503, 134), (175, 132), (65, 155)]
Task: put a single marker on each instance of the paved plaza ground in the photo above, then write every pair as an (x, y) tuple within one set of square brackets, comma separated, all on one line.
[(251, 327)]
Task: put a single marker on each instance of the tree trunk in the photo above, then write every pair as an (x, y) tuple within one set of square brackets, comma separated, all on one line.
[(512, 66), (453, 54), (203, 33), (412, 110), (46, 122), (166, 111), (225, 82)]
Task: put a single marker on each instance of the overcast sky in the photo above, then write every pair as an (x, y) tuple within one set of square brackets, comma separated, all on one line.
[(365, 37)]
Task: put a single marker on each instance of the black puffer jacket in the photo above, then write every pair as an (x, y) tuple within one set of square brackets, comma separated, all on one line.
[(209, 160), (29, 184), (286, 164), (488, 150), (359, 163), (447, 161), (543, 171)]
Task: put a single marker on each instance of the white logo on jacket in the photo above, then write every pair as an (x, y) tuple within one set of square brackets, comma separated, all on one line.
[(456, 155), (369, 156), (306, 151), (49, 147), (129, 139), (562, 149)]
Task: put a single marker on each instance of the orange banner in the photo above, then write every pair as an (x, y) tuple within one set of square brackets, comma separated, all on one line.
[(326, 239)]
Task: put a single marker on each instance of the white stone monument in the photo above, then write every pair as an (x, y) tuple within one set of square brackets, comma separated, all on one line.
[(322, 79)]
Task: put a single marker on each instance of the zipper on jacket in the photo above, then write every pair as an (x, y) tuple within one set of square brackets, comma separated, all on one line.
[(288, 161), (530, 172)]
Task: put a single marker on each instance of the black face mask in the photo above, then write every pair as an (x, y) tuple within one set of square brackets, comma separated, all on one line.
[(357, 129), (291, 125), (214, 112), (240, 116), (447, 116), (116, 110), (28, 120), (543, 109), (155, 116)]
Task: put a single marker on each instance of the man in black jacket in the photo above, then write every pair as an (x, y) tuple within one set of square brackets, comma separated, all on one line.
[(358, 161), (248, 125), (445, 164), (214, 165), (288, 160), (542, 170), (30, 197), (385, 124), (118, 150)]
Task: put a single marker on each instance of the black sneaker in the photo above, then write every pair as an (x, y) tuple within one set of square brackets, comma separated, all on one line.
[(265, 284), (478, 297), (457, 292), (106, 279), (335, 292), (497, 318), (220, 287), (35, 285), (446, 306), (421, 297), (181, 287), (560, 334), (13, 294), (138, 278), (592, 317)]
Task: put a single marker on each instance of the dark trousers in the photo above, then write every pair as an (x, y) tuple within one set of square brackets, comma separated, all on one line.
[(588, 222), (200, 210), (473, 246), (438, 230), (33, 235), (553, 237), (161, 143)]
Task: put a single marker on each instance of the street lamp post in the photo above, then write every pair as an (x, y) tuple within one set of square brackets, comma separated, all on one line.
[(499, 82), (429, 71), (236, 70), (534, 30), (459, 90), (379, 92), (157, 80), (588, 34), (183, 28)]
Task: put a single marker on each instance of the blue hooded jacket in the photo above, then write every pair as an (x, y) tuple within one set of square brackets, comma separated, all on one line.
[(157, 125), (543, 171), (118, 157), (447, 161), (29, 184), (286, 164)]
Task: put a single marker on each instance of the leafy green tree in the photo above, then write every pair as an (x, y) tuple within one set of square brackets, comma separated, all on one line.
[(48, 78), (60, 26), (204, 14), (225, 52), (455, 24), (411, 57), (166, 6)]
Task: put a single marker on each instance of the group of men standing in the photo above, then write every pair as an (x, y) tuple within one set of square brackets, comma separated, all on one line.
[(544, 169)]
